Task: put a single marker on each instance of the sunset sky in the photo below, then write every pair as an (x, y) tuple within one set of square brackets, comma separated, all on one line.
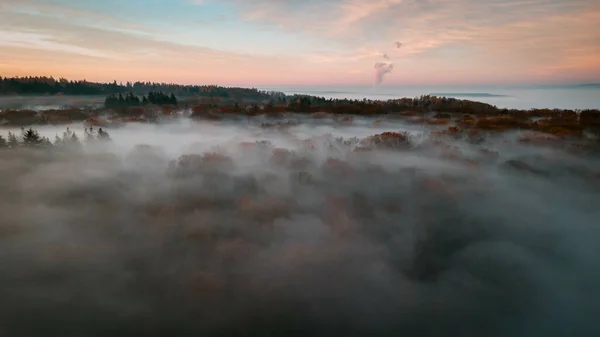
[(303, 42)]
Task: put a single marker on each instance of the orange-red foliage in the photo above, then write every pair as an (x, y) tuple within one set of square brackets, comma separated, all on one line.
[(132, 119), (558, 126), (246, 146), (454, 130), (278, 109), (93, 121), (500, 123), (216, 158), (388, 140), (136, 110), (229, 109), (201, 108), (467, 121)]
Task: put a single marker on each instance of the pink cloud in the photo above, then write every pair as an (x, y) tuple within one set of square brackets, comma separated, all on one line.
[(444, 41)]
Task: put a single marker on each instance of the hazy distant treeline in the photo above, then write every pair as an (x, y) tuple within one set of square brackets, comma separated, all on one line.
[(131, 100), (49, 85)]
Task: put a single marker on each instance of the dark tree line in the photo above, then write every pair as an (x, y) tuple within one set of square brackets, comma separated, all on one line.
[(31, 138), (118, 100), (50, 85), (161, 98), (131, 100)]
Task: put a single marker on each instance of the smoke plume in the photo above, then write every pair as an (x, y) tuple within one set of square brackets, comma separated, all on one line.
[(382, 68)]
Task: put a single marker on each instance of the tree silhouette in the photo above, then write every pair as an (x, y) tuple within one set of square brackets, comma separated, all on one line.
[(13, 141), (49, 85), (103, 135), (89, 135), (31, 137)]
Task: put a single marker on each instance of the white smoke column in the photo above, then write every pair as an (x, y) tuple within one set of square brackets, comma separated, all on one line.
[(381, 69)]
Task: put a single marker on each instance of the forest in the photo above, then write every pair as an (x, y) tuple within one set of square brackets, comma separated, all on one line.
[(41, 85), (131, 100), (442, 211)]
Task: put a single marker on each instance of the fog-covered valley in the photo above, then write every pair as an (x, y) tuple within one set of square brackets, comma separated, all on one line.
[(297, 227)]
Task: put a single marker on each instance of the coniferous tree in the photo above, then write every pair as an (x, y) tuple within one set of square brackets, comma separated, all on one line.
[(67, 134), (46, 142), (31, 138), (103, 135), (89, 135), (13, 141)]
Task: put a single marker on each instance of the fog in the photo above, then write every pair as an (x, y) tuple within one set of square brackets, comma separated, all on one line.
[(48, 102), (242, 237)]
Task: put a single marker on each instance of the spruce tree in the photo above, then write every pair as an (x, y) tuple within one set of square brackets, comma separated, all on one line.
[(89, 135), (103, 135), (31, 137)]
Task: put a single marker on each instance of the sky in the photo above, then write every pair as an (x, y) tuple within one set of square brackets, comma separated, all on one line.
[(303, 42)]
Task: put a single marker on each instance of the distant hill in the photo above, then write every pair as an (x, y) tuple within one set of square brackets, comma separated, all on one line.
[(591, 85)]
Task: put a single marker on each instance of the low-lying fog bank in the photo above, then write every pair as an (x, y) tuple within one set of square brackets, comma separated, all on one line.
[(312, 229)]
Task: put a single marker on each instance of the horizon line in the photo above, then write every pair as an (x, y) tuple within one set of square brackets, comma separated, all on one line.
[(258, 86)]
